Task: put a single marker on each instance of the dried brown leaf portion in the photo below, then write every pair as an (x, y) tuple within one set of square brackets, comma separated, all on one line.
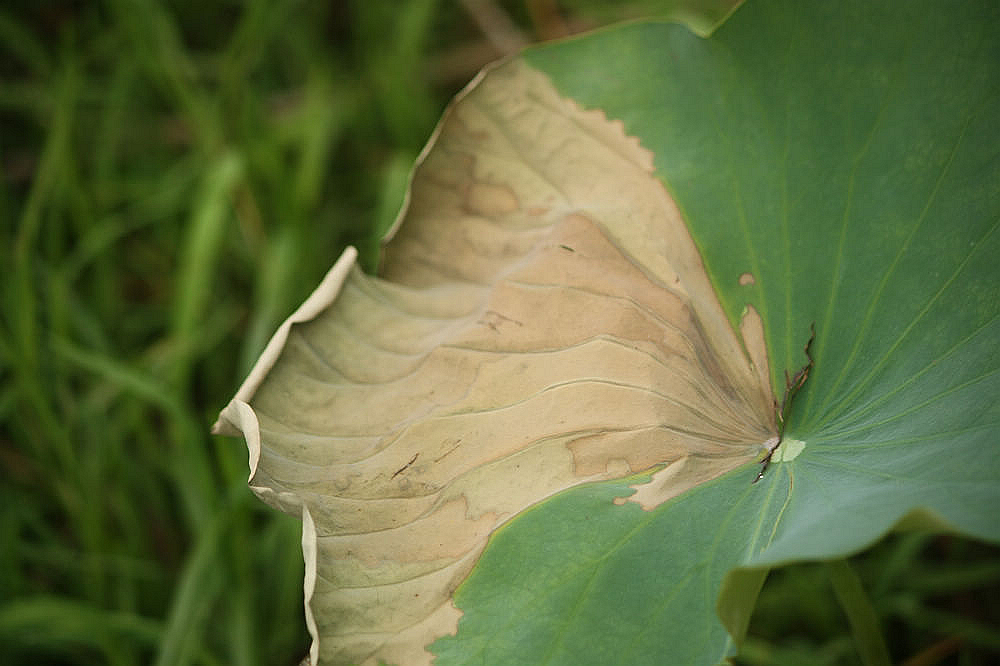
[(544, 320)]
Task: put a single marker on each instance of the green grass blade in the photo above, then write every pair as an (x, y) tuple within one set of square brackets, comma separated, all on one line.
[(54, 625), (201, 584), (860, 614), (199, 259)]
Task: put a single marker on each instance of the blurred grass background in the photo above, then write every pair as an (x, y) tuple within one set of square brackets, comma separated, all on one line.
[(175, 178)]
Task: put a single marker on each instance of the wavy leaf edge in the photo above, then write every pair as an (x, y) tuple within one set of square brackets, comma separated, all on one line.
[(668, 477)]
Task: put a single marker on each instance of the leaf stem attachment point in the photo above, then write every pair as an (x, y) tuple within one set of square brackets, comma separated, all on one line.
[(792, 385)]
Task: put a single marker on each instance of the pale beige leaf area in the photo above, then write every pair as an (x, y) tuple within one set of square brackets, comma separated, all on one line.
[(543, 320)]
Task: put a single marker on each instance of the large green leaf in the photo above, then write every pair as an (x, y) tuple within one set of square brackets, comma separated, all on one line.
[(836, 168), (845, 156)]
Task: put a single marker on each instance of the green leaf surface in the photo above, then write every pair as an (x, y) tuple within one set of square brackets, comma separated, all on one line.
[(571, 581), (845, 156)]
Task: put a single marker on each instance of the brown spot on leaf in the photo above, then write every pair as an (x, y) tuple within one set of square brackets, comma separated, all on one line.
[(490, 200)]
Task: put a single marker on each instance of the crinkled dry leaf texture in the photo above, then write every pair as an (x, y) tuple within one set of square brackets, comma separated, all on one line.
[(544, 320)]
